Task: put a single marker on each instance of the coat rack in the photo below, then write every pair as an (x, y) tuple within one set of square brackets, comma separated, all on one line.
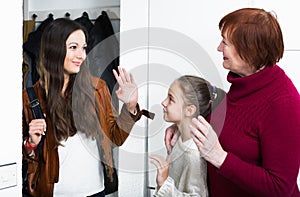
[(113, 13)]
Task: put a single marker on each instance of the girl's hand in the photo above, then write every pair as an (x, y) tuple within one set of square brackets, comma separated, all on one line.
[(171, 137), (128, 91), (162, 165)]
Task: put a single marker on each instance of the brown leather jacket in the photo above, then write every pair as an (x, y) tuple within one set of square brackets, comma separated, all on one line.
[(43, 167)]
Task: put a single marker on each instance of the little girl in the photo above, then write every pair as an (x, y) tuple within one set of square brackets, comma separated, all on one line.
[(183, 173)]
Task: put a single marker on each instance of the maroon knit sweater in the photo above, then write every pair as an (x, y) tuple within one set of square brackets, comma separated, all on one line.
[(261, 134)]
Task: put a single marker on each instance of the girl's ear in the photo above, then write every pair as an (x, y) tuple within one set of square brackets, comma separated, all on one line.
[(190, 110)]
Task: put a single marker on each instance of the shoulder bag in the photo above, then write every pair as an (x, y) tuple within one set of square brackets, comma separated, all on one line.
[(37, 114)]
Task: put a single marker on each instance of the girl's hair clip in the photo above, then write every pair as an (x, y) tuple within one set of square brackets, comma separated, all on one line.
[(214, 93)]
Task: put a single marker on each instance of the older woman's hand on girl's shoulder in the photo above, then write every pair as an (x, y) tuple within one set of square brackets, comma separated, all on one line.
[(128, 91), (207, 142)]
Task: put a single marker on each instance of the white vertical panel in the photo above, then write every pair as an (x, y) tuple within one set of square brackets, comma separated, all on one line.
[(290, 65), (197, 20), (67, 4), (11, 99), (134, 57)]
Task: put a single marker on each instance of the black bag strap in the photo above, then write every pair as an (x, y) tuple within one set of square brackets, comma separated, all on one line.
[(36, 110), (34, 104)]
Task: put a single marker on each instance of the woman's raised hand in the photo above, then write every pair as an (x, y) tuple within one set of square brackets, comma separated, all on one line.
[(128, 91)]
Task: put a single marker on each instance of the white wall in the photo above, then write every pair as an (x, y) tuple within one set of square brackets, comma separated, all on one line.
[(134, 55)]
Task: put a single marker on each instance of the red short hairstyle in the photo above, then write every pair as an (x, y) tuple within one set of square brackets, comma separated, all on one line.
[(255, 34)]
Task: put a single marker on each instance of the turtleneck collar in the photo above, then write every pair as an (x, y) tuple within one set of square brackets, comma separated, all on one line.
[(245, 86)]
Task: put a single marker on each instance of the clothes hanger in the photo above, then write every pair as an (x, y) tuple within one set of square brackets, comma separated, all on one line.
[(85, 14), (67, 15), (34, 16)]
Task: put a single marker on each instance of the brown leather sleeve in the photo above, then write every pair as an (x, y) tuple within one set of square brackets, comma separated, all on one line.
[(115, 126)]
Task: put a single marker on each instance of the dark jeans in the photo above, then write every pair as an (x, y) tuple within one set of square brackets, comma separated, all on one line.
[(100, 194)]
